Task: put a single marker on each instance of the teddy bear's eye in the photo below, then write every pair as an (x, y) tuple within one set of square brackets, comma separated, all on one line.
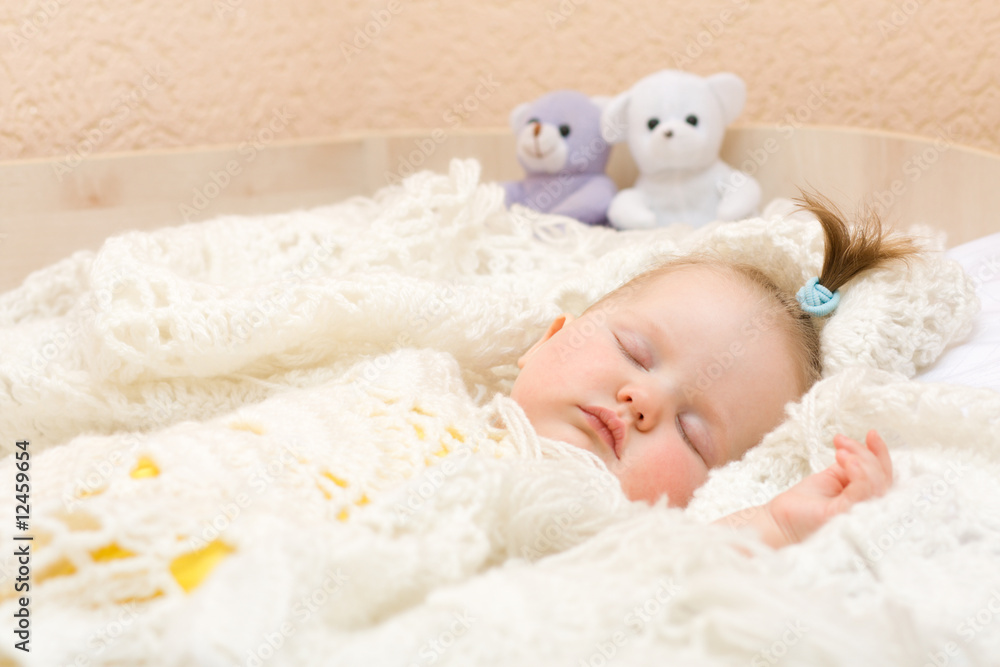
[(652, 123), (692, 120), (564, 130), (532, 120)]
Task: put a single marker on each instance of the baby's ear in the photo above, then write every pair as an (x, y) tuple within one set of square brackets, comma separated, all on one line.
[(554, 328)]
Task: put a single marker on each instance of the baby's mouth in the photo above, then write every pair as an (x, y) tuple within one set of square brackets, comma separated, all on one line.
[(606, 424)]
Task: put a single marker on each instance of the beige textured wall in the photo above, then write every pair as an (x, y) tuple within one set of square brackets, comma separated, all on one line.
[(86, 76)]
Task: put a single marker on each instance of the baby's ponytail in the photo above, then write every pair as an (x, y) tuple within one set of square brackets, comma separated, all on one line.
[(848, 251)]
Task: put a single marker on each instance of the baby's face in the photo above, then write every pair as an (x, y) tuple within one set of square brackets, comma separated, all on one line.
[(683, 374)]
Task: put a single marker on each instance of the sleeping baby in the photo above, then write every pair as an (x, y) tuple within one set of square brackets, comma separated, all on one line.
[(690, 364)]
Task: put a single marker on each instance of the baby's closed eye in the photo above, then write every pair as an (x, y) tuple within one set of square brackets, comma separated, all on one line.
[(631, 352), (689, 433)]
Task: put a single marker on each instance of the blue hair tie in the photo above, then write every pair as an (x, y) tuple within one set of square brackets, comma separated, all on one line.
[(816, 299)]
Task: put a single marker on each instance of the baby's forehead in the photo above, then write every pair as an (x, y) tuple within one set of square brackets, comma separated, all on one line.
[(694, 295), (708, 280)]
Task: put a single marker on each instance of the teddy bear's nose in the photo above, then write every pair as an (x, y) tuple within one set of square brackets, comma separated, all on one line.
[(668, 134), (538, 129)]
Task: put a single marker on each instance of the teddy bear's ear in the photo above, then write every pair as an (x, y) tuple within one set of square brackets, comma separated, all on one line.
[(614, 118), (601, 101), (519, 116), (731, 92)]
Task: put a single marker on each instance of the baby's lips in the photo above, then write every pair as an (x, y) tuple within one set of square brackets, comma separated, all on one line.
[(608, 426)]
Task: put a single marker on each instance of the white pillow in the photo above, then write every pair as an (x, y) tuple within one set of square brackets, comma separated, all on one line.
[(976, 361)]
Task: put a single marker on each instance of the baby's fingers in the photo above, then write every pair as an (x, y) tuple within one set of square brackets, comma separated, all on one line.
[(865, 470), (877, 447)]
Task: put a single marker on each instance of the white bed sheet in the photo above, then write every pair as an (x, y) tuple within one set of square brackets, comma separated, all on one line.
[(976, 362)]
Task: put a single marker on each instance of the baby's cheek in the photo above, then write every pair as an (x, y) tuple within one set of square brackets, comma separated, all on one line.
[(671, 472)]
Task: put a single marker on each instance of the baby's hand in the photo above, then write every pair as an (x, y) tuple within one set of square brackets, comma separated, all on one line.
[(860, 473)]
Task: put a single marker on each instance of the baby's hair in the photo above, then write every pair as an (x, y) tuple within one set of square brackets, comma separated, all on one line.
[(848, 251)]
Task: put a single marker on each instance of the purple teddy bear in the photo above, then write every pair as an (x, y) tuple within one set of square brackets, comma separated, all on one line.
[(559, 144)]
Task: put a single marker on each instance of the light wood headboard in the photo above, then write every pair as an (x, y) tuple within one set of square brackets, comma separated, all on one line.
[(53, 207)]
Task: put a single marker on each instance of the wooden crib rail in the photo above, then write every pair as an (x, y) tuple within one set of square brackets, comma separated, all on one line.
[(51, 208)]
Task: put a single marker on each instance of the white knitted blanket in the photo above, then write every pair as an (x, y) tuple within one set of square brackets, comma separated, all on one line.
[(285, 440)]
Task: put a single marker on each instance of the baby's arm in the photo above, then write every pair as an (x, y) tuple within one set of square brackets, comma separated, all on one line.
[(859, 473)]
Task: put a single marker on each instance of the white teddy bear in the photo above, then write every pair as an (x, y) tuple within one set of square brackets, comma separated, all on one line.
[(674, 122)]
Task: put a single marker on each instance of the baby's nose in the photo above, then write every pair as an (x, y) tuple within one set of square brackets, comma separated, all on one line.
[(643, 405)]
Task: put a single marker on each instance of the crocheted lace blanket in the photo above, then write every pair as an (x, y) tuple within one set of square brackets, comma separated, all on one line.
[(285, 440)]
